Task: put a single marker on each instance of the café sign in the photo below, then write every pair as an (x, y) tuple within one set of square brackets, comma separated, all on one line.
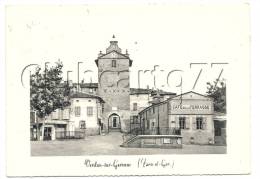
[(191, 107)]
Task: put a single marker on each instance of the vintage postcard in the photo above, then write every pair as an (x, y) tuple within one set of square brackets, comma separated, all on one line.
[(154, 88)]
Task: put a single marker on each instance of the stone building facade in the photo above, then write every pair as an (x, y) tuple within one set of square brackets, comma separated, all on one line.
[(114, 88)]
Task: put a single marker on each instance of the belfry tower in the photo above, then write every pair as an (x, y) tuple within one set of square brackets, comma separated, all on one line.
[(114, 87)]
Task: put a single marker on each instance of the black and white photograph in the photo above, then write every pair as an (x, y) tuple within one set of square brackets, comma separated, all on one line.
[(102, 89), (110, 117)]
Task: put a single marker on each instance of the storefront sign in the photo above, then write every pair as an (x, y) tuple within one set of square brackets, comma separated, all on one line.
[(191, 107)]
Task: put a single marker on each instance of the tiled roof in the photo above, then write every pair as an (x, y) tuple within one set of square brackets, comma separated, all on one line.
[(85, 95), (149, 91), (162, 93), (140, 91)]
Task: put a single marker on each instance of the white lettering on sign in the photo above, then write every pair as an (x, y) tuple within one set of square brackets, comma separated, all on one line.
[(114, 108), (191, 107)]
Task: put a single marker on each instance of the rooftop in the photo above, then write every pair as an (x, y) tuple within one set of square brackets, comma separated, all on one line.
[(150, 91), (85, 95)]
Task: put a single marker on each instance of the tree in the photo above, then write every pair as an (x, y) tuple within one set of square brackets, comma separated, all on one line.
[(47, 92), (217, 91)]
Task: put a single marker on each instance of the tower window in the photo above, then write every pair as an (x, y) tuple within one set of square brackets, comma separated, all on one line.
[(113, 63), (134, 106)]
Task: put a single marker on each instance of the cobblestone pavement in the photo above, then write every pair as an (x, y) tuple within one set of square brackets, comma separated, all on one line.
[(110, 145)]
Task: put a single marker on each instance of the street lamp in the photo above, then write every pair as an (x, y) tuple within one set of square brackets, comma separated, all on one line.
[(78, 76)]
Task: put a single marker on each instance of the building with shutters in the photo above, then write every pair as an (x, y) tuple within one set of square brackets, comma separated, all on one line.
[(190, 112), (86, 113), (80, 119)]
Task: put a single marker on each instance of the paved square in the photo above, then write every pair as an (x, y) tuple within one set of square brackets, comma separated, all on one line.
[(110, 145)]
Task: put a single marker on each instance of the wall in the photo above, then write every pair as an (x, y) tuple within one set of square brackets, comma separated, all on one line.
[(201, 136), (142, 101), (152, 115), (114, 90), (158, 141), (92, 127)]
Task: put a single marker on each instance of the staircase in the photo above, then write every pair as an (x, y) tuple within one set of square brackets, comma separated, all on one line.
[(129, 141)]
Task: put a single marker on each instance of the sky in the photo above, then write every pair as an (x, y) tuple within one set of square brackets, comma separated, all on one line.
[(168, 36)]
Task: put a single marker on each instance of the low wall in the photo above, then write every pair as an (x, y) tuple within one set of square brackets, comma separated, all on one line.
[(155, 141), (197, 137)]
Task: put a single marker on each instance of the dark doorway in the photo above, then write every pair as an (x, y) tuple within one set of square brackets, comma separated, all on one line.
[(47, 133), (114, 123), (220, 132)]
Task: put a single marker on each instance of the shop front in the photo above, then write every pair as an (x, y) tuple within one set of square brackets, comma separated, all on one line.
[(193, 114)]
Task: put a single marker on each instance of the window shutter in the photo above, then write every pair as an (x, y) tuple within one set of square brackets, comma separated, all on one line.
[(66, 113), (204, 123), (194, 125), (55, 114), (177, 123), (187, 122), (60, 114)]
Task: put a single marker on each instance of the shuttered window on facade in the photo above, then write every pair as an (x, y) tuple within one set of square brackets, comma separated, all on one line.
[(90, 111), (77, 111), (199, 123), (66, 113), (55, 114), (182, 122)]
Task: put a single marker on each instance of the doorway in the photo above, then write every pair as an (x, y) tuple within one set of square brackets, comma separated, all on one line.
[(47, 133), (114, 123), (115, 119)]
